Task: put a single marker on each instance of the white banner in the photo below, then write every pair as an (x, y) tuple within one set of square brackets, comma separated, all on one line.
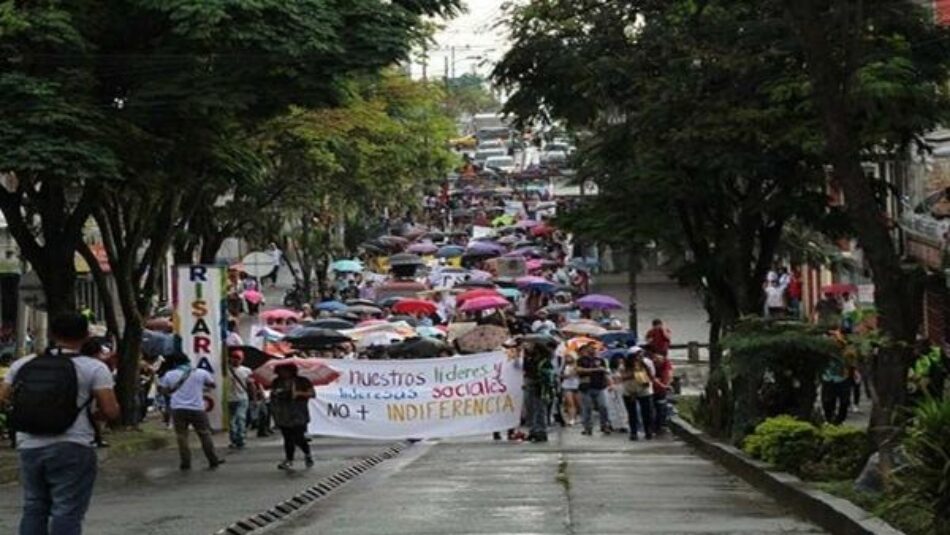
[(199, 312), (398, 399)]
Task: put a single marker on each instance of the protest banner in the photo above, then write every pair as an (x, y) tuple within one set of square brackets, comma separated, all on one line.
[(199, 305), (397, 399)]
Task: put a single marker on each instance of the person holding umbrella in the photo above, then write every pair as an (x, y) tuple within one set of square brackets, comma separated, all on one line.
[(290, 395)]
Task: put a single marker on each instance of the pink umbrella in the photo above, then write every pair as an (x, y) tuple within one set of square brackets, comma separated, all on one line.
[(364, 323), (423, 247), (279, 313), (253, 296), (534, 265), (314, 370), (487, 302), (531, 280)]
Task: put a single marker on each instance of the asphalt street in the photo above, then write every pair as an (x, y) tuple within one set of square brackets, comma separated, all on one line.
[(573, 485)]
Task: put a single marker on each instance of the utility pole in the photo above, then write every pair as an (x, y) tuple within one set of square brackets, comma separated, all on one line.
[(446, 76), (425, 62), (452, 54)]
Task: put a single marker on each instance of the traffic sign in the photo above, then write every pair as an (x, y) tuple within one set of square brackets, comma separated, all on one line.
[(259, 264)]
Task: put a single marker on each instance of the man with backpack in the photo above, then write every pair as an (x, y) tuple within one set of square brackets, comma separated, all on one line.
[(55, 396)]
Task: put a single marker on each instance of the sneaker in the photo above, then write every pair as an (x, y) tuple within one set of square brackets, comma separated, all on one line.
[(215, 464), (286, 465), (587, 432), (308, 462), (184, 467), (496, 436), (605, 430), (634, 437)]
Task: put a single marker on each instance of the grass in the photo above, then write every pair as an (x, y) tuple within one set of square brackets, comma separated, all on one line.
[(686, 407), (910, 520), (562, 477)]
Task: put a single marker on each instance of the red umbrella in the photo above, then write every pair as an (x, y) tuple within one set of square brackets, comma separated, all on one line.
[(414, 306), (280, 313), (314, 370), (484, 303), (478, 292)]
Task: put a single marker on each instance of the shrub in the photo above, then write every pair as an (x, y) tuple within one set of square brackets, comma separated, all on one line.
[(925, 479), (784, 442), (843, 452)]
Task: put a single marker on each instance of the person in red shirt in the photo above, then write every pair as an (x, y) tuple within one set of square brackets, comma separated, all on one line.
[(662, 380), (659, 338), (795, 293)]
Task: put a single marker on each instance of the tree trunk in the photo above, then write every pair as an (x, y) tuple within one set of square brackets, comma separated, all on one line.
[(102, 288), (633, 270), (210, 245), (58, 275)]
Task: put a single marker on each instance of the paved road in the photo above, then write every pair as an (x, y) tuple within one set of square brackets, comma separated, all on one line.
[(575, 485), (148, 495)]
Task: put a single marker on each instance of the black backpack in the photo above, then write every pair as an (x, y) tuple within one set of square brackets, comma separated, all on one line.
[(44, 395)]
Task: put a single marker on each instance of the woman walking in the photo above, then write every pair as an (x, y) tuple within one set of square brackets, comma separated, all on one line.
[(290, 395), (569, 384), (638, 377)]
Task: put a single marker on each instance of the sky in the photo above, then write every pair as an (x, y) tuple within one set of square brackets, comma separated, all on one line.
[(477, 43)]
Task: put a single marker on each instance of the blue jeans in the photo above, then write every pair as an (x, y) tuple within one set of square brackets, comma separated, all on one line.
[(238, 426), (591, 399), (537, 411), (57, 483)]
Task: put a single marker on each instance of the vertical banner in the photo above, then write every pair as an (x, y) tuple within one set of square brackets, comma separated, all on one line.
[(431, 398), (199, 305)]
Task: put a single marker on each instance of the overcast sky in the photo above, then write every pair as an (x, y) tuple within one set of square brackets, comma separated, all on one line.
[(476, 40)]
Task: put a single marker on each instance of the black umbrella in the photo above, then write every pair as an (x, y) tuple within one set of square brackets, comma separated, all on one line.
[(330, 323), (315, 337), (475, 284), (348, 316), (417, 348), (405, 259), (373, 247), (364, 309), (360, 302), (254, 357)]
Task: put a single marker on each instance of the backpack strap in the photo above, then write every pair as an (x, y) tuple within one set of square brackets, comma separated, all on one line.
[(178, 384)]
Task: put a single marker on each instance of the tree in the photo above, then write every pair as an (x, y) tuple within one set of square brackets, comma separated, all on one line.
[(878, 71), (469, 94), (701, 134)]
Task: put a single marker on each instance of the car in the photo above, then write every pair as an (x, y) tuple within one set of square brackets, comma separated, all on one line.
[(504, 164), (491, 144), (493, 132), (482, 155), (559, 147), (465, 142), (555, 158)]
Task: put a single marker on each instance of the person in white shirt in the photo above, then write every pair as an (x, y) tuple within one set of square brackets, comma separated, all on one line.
[(186, 384), (774, 300), (234, 337), (543, 325), (242, 390)]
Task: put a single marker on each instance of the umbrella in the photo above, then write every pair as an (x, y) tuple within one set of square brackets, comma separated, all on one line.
[(479, 275), (477, 292), (315, 337), (155, 343), (482, 338), (423, 248), (330, 306), (528, 252), (576, 343), (509, 293), (164, 325), (390, 301), (374, 247), (393, 241), (280, 314), (477, 248), (511, 239), (450, 251), (330, 323), (583, 327), (253, 296), (435, 235), (839, 288), (253, 357), (367, 302), (314, 370), (418, 348), (431, 332), (414, 306), (408, 319), (558, 308), (475, 284), (535, 283), (379, 339), (533, 265), (346, 315), (599, 302), (484, 303), (364, 309), (347, 266), (619, 339), (374, 321), (405, 259), (541, 339)]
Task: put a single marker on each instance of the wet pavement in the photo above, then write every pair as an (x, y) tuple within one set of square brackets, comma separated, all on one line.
[(572, 485), (148, 495)]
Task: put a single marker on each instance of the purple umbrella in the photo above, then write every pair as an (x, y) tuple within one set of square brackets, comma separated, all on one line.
[(599, 302), (423, 247), (535, 283), (484, 247), (527, 252)]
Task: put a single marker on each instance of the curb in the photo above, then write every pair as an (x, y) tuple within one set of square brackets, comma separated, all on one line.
[(299, 502), (834, 514)]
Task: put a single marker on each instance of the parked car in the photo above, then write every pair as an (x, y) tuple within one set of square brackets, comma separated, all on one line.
[(482, 155), (556, 158)]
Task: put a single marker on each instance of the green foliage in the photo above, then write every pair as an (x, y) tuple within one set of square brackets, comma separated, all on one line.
[(892, 509), (844, 451), (469, 94), (925, 480), (784, 442), (773, 369)]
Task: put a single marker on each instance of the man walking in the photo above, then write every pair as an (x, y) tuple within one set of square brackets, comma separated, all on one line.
[(55, 397), (239, 398), (592, 371), (185, 384)]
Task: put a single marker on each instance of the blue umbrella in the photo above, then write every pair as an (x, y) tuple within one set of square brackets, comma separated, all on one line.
[(347, 266), (330, 306), (509, 293), (450, 251)]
